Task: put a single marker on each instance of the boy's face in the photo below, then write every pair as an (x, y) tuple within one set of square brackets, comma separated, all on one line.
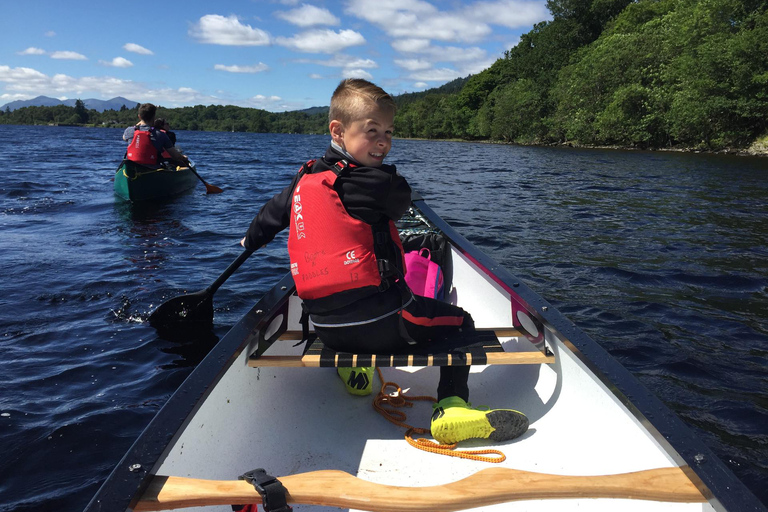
[(369, 138)]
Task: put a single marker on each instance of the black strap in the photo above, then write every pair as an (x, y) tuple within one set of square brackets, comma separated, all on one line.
[(306, 336), (270, 488), (307, 167)]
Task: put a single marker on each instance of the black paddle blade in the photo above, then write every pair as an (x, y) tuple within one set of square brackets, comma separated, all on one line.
[(185, 312)]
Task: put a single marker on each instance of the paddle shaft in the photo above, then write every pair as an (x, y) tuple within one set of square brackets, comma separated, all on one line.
[(229, 271), (191, 168), (210, 189), (487, 487)]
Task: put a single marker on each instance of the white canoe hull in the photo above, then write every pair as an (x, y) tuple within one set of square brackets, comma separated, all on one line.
[(587, 415)]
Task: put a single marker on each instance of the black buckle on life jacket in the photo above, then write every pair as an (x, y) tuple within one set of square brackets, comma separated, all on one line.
[(270, 488), (307, 167), (386, 271), (343, 167)]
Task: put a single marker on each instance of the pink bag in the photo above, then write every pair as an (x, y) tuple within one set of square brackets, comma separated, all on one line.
[(423, 276)]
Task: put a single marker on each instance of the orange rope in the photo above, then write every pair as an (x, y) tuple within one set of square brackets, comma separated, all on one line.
[(387, 404)]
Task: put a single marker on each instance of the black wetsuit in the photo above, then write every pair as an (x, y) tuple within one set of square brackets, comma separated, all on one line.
[(388, 321)]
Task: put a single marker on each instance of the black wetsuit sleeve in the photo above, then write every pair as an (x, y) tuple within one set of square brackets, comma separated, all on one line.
[(374, 195), (273, 217)]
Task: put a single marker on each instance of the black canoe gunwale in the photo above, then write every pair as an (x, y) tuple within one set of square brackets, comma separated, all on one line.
[(123, 487), (724, 490), (129, 479)]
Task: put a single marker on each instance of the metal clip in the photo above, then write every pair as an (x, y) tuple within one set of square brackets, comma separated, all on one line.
[(270, 488)]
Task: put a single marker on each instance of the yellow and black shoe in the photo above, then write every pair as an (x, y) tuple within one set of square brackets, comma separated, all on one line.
[(453, 420), (358, 380)]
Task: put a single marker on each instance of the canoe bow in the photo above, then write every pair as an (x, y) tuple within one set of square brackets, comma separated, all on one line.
[(486, 487)]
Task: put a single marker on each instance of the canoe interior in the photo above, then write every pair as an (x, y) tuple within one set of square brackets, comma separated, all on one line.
[(294, 420), (229, 418), (134, 182)]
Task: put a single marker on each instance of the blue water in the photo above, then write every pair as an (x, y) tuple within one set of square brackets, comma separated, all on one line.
[(661, 257)]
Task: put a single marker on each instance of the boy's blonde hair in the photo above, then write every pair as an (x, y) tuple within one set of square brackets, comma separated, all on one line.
[(353, 96)]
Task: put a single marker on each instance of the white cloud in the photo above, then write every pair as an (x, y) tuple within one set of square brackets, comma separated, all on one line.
[(24, 83), (32, 51), (357, 73), (117, 62), (420, 85), (136, 48), (509, 13), (315, 76), (436, 75), (403, 18), (227, 31), (66, 55), (7, 98), (470, 23), (341, 60), (468, 60), (413, 64), (32, 82), (18, 78), (308, 15), (411, 45), (242, 69), (262, 98), (50, 33), (272, 103), (440, 53), (322, 41)]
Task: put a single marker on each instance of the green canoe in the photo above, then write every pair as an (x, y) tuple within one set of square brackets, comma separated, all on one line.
[(136, 182)]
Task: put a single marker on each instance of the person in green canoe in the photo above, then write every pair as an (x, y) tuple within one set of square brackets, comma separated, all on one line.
[(147, 144), (347, 261)]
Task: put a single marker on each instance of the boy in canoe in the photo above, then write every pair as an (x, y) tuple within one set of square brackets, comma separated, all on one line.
[(148, 144), (347, 261)]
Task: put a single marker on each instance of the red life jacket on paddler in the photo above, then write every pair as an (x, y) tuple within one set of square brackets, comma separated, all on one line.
[(141, 149), (331, 251), (165, 155)]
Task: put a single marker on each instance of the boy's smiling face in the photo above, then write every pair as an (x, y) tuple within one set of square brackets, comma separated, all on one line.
[(368, 138)]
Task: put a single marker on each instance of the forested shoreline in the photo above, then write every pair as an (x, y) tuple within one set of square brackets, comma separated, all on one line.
[(651, 74)]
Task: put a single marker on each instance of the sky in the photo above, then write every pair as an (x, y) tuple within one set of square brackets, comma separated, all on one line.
[(276, 55)]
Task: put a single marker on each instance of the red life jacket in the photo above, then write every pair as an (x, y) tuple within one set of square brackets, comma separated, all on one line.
[(141, 150), (165, 154), (331, 251)]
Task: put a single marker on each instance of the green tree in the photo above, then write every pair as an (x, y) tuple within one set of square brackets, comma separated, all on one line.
[(517, 113), (80, 112)]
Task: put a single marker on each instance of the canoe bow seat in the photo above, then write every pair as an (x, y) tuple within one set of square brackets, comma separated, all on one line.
[(484, 348)]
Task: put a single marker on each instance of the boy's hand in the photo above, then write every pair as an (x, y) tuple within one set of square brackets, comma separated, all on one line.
[(242, 242)]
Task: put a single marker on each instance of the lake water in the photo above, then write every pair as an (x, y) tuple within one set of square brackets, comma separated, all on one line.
[(661, 257)]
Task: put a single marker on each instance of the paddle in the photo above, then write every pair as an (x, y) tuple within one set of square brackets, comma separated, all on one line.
[(194, 310), (209, 189), (486, 487)]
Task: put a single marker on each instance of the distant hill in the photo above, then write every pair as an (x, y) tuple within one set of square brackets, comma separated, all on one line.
[(91, 103), (314, 110)]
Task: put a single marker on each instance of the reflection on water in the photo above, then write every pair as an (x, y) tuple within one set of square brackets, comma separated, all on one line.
[(190, 347)]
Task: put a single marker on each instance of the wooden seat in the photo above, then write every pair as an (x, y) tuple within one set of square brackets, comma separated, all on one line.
[(484, 348)]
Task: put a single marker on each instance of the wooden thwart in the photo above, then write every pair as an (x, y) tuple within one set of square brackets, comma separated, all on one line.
[(486, 487), (486, 349)]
